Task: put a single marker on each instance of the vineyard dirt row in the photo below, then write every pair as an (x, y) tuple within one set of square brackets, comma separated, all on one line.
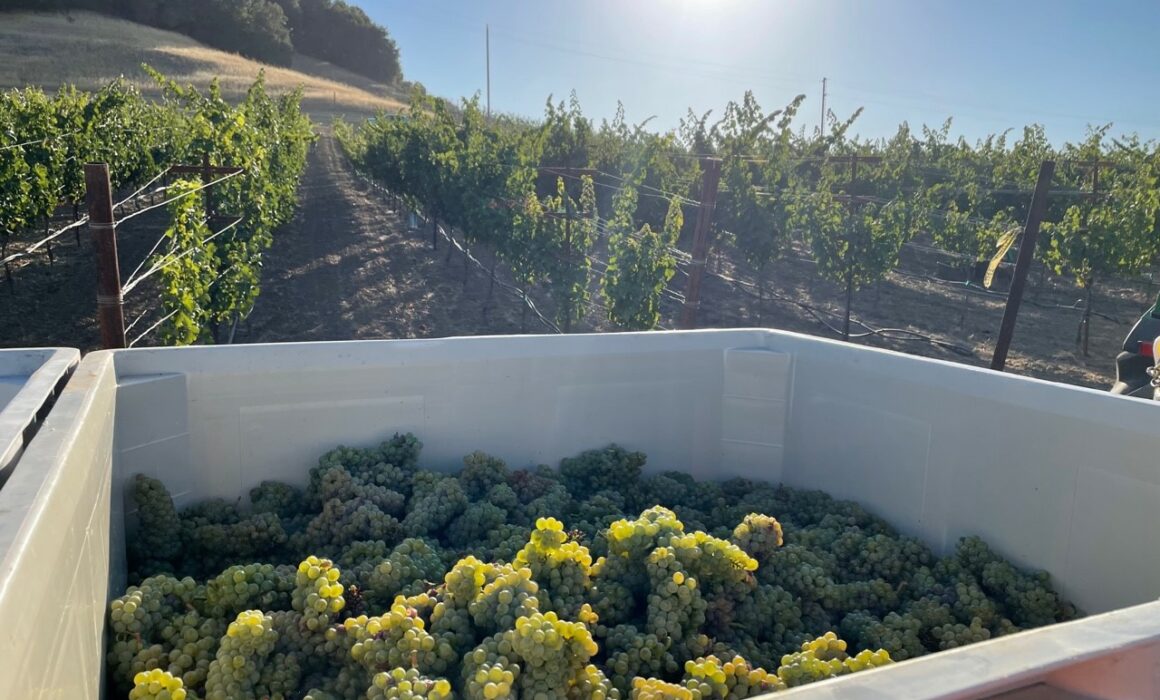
[(347, 268)]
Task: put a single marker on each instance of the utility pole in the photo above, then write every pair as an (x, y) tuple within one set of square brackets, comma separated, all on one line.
[(822, 124), (487, 42)]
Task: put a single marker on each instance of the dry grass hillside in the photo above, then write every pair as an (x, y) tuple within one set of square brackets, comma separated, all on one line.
[(88, 50)]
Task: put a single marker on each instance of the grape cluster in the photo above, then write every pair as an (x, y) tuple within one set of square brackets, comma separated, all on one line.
[(237, 667), (158, 537), (481, 473), (137, 617), (612, 468), (536, 583), (473, 527), (400, 684), (192, 641), (399, 638), (552, 653), (344, 521), (317, 593), (710, 677), (632, 653), (275, 497), (759, 536), (508, 595), (676, 609), (408, 569), (490, 672), (826, 657), (158, 685), (215, 545), (244, 587), (438, 505), (561, 568)]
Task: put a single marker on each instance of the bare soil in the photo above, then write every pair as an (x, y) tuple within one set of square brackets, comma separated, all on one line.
[(348, 267)]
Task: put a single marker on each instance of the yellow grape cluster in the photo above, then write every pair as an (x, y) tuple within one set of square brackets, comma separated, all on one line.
[(656, 689), (561, 568), (509, 595), (759, 535), (710, 677), (317, 593), (408, 684), (825, 657), (158, 685), (237, 666)]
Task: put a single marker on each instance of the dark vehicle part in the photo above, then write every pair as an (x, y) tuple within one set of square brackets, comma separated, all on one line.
[(1137, 358)]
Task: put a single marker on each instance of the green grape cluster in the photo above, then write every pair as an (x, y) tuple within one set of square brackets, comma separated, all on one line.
[(136, 617), (212, 511), (473, 527), (399, 638), (358, 558), (280, 677), (826, 657), (278, 498), (561, 568), (387, 464), (759, 536), (555, 501), (530, 485), (237, 667), (952, 635), (676, 609), (503, 496), (769, 614), (508, 595), (498, 598), (317, 593), (159, 527), (341, 484), (504, 542), (213, 546), (345, 521), (552, 653), (632, 653), (481, 473), (408, 684), (192, 641), (611, 468), (408, 568), (249, 586), (899, 635), (489, 676), (874, 594), (590, 683), (710, 677), (429, 514), (158, 685)]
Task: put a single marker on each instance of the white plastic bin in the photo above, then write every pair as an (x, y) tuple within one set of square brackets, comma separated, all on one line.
[(30, 380), (1062, 478)]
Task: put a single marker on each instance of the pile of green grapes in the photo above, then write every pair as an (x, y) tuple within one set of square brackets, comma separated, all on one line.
[(381, 579)]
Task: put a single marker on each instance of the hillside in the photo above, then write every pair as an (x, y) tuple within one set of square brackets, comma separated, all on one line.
[(89, 50)]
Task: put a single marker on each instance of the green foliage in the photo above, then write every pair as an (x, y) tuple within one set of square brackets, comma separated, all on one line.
[(640, 264), (1113, 231), (186, 267), (209, 277)]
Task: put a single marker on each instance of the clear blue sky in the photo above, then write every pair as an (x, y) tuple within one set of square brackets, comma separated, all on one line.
[(990, 64)]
